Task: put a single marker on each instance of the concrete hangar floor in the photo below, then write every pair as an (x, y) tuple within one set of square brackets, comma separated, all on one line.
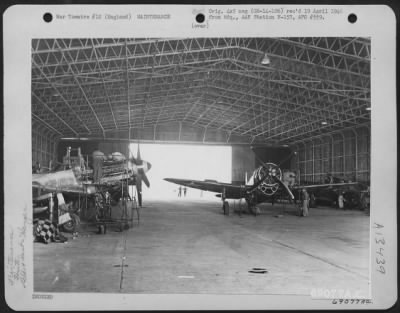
[(189, 246)]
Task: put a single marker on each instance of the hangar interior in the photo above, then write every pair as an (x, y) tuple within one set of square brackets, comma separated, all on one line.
[(264, 97)]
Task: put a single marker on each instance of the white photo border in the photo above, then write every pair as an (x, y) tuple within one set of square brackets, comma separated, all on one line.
[(22, 23)]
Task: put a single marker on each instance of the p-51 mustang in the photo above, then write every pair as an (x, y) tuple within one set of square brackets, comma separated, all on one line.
[(266, 183), (79, 179)]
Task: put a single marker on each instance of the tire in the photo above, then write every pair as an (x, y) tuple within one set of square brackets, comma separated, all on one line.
[(70, 226), (102, 230), (226, 207)]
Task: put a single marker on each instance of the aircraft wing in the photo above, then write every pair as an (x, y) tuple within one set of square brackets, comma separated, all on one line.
[(65, 188), (231, 191), (72, 189), (322, 186)]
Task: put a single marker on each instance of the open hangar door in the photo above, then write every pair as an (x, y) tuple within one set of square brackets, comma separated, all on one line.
[(198, 162)]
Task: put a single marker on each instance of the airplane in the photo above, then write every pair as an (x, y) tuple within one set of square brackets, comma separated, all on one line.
[(78, 180), (353, 194), (267, 182)]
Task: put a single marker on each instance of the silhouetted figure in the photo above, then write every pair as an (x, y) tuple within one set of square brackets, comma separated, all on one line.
[(305, 202), (180, 191), (312, 203), (341, 201), (36, 168), (184, 191)]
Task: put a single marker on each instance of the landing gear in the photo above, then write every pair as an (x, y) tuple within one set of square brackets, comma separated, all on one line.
[(102, 229), (71, 225), (251, 207), (139, 194), (123, 226), (225, 204), (225, 207), (240, 207)]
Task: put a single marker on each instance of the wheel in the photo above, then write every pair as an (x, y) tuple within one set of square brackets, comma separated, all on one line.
[(226, 207), (101, 229), (70, 226), (240, 207)]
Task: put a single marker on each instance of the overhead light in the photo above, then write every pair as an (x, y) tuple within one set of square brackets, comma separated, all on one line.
[(368, 109), (324, 123), (265, 60)]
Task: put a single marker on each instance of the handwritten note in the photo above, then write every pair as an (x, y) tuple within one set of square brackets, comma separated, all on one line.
[(16, 257)]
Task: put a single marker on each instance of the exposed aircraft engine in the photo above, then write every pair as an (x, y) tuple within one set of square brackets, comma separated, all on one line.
[(269, 186)]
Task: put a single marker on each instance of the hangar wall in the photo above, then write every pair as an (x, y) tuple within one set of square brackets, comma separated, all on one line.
[(345, 155), (44, 145)]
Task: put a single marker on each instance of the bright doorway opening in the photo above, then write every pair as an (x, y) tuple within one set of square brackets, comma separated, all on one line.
[(197, 162)]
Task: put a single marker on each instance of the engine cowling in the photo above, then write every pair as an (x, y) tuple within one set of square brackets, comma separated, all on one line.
[(269, 186)]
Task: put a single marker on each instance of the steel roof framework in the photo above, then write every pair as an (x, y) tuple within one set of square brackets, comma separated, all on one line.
[(84, 87)]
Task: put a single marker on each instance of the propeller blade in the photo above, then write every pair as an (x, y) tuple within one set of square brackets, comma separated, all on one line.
[(138, 154), (139, 189), (139, 194), (132, 159), (285, 187), (280, 163), (139, 182), (287, 158), (259, 160), (145, 180), (255, 186)]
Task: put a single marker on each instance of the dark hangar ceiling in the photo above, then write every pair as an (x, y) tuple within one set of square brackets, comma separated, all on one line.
[(97, 87)]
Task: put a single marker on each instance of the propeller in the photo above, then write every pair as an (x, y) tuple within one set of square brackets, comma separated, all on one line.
[(255, 186), (284, 186), (141, 173), (276, 178)]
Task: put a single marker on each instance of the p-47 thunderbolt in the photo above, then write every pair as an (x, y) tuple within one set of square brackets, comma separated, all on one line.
[(266, 183)]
